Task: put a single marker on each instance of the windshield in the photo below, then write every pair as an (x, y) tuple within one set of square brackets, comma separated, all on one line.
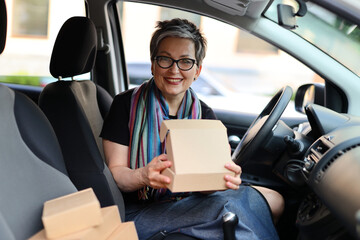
[(331, 33)]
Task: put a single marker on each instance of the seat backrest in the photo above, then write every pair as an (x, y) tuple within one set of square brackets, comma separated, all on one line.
[(32, 169), (73, 109)]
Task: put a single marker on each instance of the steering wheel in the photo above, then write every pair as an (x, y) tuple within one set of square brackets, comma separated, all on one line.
[(261, 127)]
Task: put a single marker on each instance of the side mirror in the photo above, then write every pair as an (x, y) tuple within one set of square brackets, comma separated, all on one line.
[(309, 93)]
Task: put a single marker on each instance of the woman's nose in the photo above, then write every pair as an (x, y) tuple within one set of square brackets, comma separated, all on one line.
[(174, 68)]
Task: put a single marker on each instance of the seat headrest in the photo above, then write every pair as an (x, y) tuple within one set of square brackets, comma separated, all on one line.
[(75, 48), (3, 25)]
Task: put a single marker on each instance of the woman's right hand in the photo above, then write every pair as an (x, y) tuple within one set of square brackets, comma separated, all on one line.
[(129, 180), (151, 173)]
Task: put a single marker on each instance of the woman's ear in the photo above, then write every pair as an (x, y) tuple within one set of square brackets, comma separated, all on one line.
[(197, 73)]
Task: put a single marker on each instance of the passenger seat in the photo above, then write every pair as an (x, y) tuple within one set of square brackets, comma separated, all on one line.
[(32, 170), (72, 108)]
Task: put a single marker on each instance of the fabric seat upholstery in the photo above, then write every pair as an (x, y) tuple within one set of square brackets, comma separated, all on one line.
[(32, 169), (72, 108)]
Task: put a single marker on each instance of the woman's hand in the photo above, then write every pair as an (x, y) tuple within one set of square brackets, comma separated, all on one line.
[(151, 173), (129, 180), (233, 182)]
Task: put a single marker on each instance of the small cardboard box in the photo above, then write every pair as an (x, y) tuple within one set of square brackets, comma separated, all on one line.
[(111, 221), (124, 231), (71, 213), (198, 150)]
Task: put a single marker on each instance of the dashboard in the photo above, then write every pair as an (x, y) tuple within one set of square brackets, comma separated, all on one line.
[(331, 169)]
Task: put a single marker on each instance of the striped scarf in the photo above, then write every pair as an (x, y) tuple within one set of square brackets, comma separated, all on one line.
[(148, 109)]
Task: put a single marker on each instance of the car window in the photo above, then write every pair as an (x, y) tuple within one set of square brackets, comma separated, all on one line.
[(318, 24), (31, 37), (240, 71)]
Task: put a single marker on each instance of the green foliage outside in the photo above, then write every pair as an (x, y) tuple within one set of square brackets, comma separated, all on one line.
[(24, 80)]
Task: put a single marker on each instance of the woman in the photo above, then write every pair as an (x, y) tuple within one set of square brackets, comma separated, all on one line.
[(133, 150)]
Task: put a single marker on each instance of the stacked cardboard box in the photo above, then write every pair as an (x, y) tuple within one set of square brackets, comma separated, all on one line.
[(79, 216)]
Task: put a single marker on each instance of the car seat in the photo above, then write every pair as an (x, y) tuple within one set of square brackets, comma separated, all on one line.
[(32, 168), (73, 109)]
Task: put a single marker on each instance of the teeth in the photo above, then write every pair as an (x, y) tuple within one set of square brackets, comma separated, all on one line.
[(173, 80)]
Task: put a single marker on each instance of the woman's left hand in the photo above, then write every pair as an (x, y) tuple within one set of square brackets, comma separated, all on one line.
[(233, 182)]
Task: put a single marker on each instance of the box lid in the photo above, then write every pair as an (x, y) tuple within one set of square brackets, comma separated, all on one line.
[(70, 202), (196, 146), (71, 213)]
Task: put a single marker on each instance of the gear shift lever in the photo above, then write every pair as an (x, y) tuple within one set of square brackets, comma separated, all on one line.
[(230, 220)]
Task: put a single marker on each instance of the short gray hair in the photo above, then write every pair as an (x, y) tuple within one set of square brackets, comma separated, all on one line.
[(181, 28)]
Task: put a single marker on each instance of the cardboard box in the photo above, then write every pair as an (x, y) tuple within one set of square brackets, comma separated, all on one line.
[(111, 221), (71, 213), (124, 231), (198, 150)]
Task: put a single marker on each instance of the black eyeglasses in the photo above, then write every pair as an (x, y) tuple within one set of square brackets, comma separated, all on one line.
[(184, 64)]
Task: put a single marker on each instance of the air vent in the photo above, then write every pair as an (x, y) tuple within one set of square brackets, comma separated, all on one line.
[(313, 157), (337, 155), (322, 148), (319, 175), (317, 151)]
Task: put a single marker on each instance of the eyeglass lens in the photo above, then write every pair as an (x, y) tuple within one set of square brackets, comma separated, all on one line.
[(183, 63)]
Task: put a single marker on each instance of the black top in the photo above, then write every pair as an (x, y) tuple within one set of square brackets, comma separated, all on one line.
[(116, 127)]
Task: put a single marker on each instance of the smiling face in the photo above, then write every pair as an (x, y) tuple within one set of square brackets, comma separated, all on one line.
[(172, 81)]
